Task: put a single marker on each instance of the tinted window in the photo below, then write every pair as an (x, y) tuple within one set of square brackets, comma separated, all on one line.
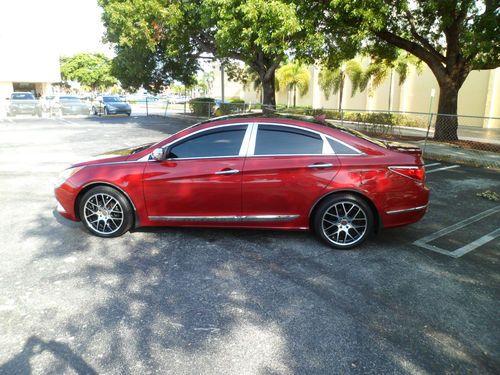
[(23, 96), (340, 148), (276, 140), (111, 99), (221, 142)]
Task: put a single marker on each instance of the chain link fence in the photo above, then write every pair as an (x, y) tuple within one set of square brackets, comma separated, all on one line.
[(475, 137)]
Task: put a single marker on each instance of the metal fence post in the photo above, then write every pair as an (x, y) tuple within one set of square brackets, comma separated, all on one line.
[(147, 110), (427, 133), (209, 109)]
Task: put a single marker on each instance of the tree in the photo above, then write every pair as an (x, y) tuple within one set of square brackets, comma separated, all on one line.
[(453, 37), (161, 40), (380, 69), (332, 80), (292, 76), (88, 69)]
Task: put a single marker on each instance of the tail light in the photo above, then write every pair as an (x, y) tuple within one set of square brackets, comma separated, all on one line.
[(415, 173)]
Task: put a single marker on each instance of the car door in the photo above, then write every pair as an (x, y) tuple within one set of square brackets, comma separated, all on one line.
[(286, 171), (200, 179)]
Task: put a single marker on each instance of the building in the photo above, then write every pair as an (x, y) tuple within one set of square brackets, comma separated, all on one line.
[(29, 60), (479, 96)]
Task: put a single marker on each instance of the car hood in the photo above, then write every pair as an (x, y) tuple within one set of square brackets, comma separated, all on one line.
[(114, 156)]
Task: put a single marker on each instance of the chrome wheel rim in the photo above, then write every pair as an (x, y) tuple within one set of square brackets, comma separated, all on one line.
[(103, 213), (344, 223)]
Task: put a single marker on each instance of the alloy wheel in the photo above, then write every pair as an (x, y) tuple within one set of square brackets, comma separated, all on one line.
[(103, 213), (344, 223)]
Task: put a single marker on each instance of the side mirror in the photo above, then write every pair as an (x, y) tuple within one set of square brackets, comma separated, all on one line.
[(157, 154)]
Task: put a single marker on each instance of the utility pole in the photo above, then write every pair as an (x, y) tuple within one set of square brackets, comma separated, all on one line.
[(222, 81)]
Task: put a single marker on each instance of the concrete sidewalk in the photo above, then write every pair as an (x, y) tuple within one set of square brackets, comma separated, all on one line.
[(457, 155)]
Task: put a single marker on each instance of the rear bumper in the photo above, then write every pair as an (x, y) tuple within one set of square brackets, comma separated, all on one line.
[(413, 212)]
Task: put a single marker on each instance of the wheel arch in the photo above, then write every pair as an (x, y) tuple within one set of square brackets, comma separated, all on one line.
[(94, 184), (378, 220)]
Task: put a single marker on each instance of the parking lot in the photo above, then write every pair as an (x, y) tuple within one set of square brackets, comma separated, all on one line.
[(418, 299)]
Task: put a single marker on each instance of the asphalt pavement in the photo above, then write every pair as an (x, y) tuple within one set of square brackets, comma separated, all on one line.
[(212, 301)]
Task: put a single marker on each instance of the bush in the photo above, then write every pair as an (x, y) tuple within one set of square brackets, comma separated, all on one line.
[(234, 106), (202, 106), (379, 118)]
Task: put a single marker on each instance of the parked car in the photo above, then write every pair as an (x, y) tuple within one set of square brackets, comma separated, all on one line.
[(23, 103), (110, 105), (252, 171), (72, 105)]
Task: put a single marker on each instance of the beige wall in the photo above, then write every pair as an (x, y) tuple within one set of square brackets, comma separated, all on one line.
[(479, 96)]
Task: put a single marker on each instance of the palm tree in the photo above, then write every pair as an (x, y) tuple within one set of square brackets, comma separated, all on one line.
[(332, 80), (292, 76), (378, 71)]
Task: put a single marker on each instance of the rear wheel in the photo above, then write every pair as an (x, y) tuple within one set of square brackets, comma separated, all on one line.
[(105, 212), (344, 221)]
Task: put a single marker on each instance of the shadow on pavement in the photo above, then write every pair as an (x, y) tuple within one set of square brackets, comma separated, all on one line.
[(216, 301), (66, 359)]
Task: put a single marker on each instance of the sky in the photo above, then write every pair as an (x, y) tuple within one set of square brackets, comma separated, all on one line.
[(64, 27)]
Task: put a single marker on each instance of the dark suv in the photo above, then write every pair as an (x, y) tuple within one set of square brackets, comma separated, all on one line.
[(23, 103)]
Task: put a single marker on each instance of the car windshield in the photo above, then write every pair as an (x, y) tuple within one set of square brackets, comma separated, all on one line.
[(69, 98), (112, 99), (23, 96)]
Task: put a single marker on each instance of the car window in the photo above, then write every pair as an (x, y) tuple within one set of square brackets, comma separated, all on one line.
[(112, 99), (276, 140), (225, 141), (23, 96), (342, 149)]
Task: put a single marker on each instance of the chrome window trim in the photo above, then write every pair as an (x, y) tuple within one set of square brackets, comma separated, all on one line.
[(226, 218), (252, 149), (148, 156), (358, 152), (248, 139)]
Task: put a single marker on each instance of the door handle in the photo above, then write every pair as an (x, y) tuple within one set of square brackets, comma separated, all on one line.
[(228, 171), (320, 165)]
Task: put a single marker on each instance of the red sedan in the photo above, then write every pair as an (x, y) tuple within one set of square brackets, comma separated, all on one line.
[(252, 172)]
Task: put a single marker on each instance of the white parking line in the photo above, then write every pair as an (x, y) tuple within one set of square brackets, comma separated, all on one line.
[(432, 165), (443, 169), (424, 242)]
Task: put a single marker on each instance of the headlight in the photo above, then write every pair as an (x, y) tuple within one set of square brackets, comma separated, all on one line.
[(111, 107), (64, 175)]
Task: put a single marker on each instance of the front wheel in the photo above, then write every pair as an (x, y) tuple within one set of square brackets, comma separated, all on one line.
[(105, 212), (344, 221)]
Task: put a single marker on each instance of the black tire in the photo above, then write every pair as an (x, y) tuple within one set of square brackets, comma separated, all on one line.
[(105, 212), (344, 221), (94, 111)]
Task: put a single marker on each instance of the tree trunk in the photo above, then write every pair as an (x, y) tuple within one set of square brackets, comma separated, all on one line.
[(269, 98), (447, 126)]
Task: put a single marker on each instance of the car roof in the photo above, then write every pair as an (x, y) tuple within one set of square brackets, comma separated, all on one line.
[(261, 116)]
